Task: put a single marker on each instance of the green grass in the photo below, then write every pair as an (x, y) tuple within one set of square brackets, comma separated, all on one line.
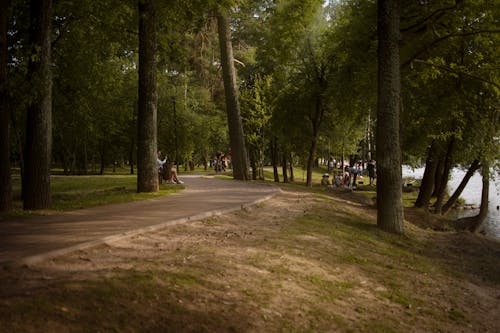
[(76, 192)]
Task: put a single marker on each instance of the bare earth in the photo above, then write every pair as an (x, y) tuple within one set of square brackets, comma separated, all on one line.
[(298, 262)]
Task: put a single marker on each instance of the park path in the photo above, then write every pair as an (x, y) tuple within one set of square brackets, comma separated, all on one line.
[(28, 240)]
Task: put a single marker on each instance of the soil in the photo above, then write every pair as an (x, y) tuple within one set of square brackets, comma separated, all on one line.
[(298, 262)]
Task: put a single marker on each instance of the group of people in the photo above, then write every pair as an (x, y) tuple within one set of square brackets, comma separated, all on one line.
[(166, 170), (350, 174), (221, 161)]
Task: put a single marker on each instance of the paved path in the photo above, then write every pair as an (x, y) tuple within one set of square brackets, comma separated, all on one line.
[(28, 240)]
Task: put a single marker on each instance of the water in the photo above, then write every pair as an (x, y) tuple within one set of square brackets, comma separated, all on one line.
[(472, 195)]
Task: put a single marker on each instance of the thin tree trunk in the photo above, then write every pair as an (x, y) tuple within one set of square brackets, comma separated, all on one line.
[(147, 173), (438, 176), (474, 223), (131, 156), (38, 149), (274, 157), (236, 136), (310, 160), (284, 167), (389, 183), (315, 122), (444, 176), (428, 180), (103, 160), (5, 173), (292, 176), (253, 164), (451, 201)]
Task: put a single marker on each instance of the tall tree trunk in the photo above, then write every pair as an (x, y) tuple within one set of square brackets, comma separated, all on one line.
[(389, 183), (438, 176), (102, 156), (451, 201), (236, 137), (38, 150), (310, 160), (284, 167), (316, 120), (483, 211), (428, 180), (5, 174), (445, 175), (147, 173), (292, 176), (274, 157), (131, 156), (253, 164)]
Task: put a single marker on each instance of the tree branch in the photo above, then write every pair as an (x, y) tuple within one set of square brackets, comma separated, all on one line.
[(441, 39), (431, 15), (451, 70)]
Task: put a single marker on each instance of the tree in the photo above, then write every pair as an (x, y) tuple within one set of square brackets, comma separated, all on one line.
[(147, 172), (38, 149), (236, 135), (5, 176), (389, 183)]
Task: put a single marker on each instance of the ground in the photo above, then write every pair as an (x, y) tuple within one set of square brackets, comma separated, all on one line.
[(298, 262)]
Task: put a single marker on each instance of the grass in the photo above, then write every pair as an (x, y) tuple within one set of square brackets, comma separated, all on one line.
[(76, 192)]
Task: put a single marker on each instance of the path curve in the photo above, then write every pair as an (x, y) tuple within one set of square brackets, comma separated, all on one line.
[(32, 239)]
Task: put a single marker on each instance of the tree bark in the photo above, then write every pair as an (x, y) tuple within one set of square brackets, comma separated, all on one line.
[(253, 164), (38, 149), (444, 177), (5, 173), (316, 120), (428, 180), (438, 176), (292, 176), (474, 223), (147, 172), (284, 167), (274, 157), (389, 182), (236, 136), (451, 201)]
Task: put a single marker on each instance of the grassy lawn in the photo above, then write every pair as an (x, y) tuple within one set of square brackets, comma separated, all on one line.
[(75, 192)]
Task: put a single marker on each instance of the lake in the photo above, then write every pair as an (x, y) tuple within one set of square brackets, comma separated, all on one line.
[(471, 195)]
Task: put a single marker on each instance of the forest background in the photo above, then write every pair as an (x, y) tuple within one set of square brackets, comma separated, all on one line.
[(306, 85)]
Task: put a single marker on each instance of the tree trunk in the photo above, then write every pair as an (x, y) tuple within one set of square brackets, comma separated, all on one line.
[(292, 176), (253, 163), (102, 156), (131, 156), (236, 136), (38, 149), (389, 183), (474, 223), (310, 160), (147, 173), (451, 201), (274, 157), (315, 122), (444, 176), (438, 176), (5, 174), (428, 180), (284, 167)]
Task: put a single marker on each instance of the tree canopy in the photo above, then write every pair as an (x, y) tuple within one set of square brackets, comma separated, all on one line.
[(272, 82)]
